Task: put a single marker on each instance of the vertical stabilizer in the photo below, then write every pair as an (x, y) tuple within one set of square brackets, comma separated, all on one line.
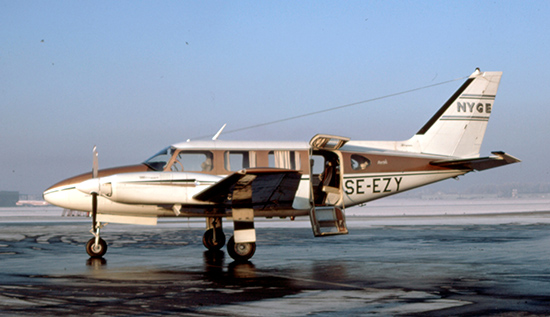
[(457, 129)]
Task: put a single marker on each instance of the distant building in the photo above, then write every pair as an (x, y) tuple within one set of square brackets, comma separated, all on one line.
[(8, 199)]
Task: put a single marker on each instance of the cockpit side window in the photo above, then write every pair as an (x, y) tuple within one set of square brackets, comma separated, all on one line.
[(193, 161), (158, 161), (359, 162)]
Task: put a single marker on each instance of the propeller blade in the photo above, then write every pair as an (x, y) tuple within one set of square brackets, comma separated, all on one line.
[(95, 163), (95, 167), (94, 210)]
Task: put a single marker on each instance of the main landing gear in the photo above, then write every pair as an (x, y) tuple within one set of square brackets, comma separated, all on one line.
[(214, 239), (240, 252)]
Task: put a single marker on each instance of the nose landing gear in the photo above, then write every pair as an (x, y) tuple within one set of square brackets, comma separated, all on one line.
[(96, 247)]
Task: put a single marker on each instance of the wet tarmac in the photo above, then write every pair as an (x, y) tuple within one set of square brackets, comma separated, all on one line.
[(428, 266)]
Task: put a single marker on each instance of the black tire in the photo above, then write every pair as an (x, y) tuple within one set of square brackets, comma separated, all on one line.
[(97, 252), (208, 239), (241, 252)]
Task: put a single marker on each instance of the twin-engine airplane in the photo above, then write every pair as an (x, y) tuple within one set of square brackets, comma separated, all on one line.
[(246, 180)]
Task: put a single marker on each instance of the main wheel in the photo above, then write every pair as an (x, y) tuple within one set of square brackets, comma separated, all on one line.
[(96, 251), (240, 252), (210, 243)]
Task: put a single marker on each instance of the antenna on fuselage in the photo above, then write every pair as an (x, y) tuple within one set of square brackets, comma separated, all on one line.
[(215, 137)]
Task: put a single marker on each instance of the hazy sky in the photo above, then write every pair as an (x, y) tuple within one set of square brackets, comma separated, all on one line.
[(136, 76)]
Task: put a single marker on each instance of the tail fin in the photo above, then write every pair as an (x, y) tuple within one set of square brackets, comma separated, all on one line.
[(457, 129)]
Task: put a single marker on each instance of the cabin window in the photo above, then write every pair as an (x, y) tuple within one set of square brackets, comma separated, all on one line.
[(238, 160), (359, 162), (285, 159), (193, 161)]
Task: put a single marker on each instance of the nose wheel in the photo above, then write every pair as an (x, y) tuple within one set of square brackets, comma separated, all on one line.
[(96, 249)]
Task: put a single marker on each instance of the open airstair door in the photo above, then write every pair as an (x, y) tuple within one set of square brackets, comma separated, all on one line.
[(326, 192)]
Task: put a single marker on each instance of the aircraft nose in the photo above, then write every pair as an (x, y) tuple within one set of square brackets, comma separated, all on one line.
[(65, 194), (57, 196), (68, 197)]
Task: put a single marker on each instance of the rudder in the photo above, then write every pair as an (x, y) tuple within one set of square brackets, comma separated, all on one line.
[(458, 128)]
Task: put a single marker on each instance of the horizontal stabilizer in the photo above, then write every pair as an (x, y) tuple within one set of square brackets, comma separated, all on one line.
[(254, 188), (479, 163)]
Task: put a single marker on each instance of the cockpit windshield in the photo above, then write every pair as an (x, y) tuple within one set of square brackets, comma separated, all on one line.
[(158, 161)]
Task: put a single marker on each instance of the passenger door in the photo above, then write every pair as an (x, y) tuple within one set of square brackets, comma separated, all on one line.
[(326, 191)]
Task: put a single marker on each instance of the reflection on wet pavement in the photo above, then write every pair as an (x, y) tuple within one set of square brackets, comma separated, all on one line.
[(388, 270)]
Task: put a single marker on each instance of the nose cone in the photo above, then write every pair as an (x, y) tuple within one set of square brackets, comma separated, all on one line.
[(68, 194), (61, 194), (60, 197)]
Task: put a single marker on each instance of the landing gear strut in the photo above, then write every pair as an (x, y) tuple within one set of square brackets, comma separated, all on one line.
[(96, 247)]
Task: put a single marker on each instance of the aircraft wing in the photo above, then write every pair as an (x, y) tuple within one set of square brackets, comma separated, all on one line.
[(479, 163), (258, 188)]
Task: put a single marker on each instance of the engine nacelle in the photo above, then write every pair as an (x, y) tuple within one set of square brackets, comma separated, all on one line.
[(149, 188)]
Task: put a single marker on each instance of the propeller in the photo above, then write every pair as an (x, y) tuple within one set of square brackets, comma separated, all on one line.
[(94, 193)]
